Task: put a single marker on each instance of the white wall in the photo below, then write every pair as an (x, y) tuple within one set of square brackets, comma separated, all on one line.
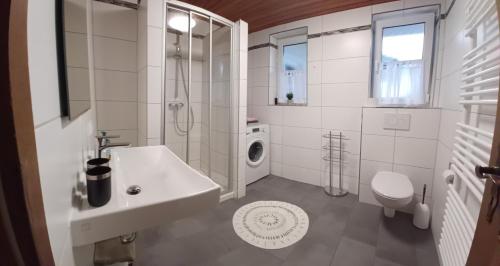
[(115, 45), (454, 46), (338, 88), (62, 146), (149, 61), (410, 152)]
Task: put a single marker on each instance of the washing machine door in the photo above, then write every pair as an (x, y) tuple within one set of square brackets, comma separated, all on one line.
[(256, 152)]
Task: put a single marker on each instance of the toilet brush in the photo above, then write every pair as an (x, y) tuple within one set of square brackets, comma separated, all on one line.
[(422, 213)]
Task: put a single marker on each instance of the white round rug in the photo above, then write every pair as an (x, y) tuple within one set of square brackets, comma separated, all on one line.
[(270, 224)]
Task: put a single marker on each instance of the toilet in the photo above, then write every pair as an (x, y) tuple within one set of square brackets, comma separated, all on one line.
[(392, 190)]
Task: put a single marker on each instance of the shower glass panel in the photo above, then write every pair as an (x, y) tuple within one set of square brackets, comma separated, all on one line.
[(198, 92), (220, 105), (178, 111)]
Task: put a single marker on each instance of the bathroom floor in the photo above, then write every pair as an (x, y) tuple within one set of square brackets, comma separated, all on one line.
[(342, 231)]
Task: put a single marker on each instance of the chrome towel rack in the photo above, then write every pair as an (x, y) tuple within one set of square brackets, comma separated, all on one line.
[(335, 154)]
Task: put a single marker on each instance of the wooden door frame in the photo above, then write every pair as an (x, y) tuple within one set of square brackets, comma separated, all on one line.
[(485, 249), (22, 215)]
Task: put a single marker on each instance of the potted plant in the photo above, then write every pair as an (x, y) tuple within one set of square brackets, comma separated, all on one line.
[(289, 96)]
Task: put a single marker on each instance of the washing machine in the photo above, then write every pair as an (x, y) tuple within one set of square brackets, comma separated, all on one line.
[(258, 146)]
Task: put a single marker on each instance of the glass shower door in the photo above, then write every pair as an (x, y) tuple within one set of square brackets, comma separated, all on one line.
[(178, 113), (198, 92)]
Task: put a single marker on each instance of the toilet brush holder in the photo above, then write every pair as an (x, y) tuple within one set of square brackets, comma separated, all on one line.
[(422, 213)]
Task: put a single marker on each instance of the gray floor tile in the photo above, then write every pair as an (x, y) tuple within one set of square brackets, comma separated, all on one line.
[(248, 256), (396, 240), (352, 252), (341, 231), (309, 252)]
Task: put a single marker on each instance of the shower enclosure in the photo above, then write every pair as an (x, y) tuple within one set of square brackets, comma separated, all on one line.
[(198, 89)]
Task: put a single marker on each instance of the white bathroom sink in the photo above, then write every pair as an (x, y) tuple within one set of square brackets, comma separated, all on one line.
[(170, 190)]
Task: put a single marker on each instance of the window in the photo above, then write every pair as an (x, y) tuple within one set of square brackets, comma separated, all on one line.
[(402, 58), (288, 71)]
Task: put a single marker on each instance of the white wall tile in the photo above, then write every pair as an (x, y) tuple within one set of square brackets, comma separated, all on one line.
[(277, 169), (346, 70), (114, 21), (373, 121), (366, 195), (315, 49), (424, 123), (126, 135), (116, 115), (418, 177), (142, 83), (115, 85), (344, 94), (353, 44), (154, 47), (295, 136), (301, 116), (377, 148), (154, 84), (306, 158), (314, 72), (113, 54), (415, 152), (155, 13), (448, 126), (347, 19), (276, 153), (269, 114), (369, 169), (386, 7), (314, 97), (340, 118), (276, 134), (303, 175)]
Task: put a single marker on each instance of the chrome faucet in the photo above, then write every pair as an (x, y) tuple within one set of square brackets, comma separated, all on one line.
[(104, 142)]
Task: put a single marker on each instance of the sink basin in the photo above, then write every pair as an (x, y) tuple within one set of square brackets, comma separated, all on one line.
[(169, 190)]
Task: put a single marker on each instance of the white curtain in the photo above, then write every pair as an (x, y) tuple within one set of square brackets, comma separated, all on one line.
[(293, 81), (401, 83)]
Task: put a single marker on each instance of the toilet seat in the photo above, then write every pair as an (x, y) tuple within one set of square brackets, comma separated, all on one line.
[(392, 185)]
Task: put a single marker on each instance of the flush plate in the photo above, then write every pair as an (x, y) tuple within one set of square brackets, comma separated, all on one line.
[(397, 121)]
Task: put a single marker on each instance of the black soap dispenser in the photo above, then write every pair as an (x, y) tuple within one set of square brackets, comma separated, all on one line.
[(98, 185)]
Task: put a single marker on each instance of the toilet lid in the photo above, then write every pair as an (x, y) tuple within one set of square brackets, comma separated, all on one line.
[(392, 185)]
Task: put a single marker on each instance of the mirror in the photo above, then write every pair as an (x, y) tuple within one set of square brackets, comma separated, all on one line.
[(288, 67), (73, 63)]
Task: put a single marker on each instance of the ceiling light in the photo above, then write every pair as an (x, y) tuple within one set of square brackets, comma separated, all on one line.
[(180, 23)]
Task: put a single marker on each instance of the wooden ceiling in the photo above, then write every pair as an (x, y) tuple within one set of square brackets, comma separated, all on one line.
[(262, 14)]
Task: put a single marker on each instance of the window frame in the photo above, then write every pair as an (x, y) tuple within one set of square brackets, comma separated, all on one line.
[(276, 42), (289, 41), (428, 19)]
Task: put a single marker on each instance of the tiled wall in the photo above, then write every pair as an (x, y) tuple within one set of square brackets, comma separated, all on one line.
[(149, 61), (62, 146), (115, 63), (338, 88), (410, 152), (454, 44)]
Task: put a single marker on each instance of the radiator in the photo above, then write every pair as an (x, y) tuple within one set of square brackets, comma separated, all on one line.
[(473, 140)]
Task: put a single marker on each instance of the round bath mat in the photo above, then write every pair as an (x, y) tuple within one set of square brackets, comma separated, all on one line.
[(270, 224)]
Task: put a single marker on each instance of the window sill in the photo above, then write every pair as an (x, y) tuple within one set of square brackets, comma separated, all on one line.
[(289, 104)]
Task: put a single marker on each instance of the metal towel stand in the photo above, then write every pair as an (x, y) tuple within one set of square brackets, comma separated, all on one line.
[(330, 147)]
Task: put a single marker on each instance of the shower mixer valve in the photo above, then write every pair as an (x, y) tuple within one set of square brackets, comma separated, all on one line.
[(175, 105)]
